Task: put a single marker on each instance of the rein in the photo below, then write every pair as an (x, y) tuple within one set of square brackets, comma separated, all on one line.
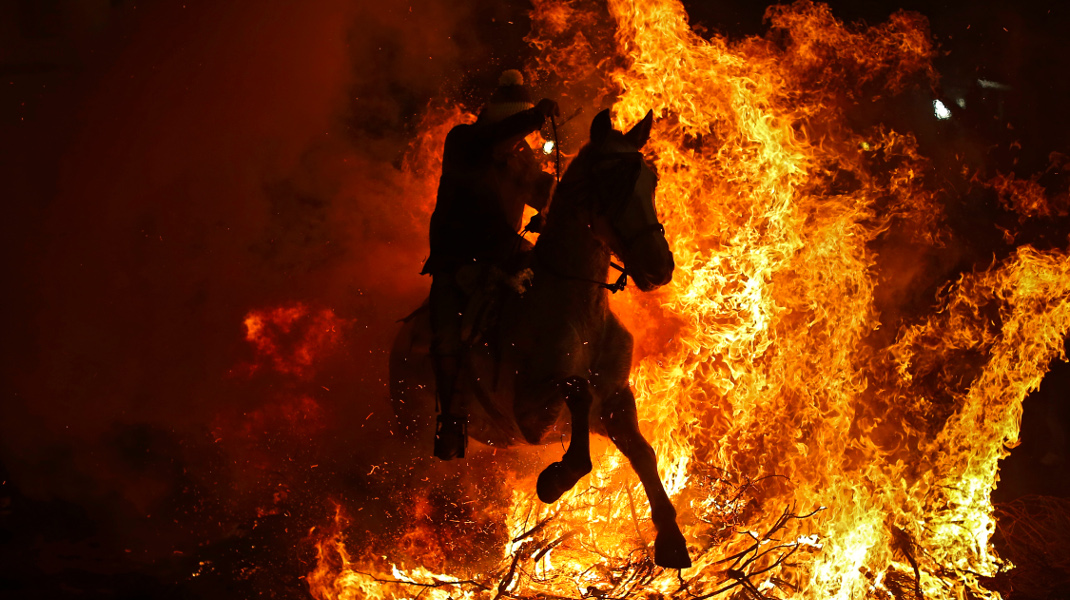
[(622, 279), (557, 149), (613, 288)]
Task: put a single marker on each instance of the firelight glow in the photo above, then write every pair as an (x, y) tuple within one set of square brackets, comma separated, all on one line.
[(814, 447), (940, 110)]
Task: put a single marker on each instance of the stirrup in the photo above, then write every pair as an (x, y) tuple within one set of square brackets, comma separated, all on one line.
[(451, 436)]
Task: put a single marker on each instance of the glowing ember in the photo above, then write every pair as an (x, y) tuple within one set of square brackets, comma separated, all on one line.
[(815, 448)]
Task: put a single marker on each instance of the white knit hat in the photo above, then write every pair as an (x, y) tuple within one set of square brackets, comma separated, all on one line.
[(511, 97)]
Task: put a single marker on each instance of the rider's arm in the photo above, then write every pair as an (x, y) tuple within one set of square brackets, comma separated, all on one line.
[(506, 133)]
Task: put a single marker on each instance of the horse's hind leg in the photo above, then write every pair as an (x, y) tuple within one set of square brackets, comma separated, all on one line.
[(622, 425), (561, 476)]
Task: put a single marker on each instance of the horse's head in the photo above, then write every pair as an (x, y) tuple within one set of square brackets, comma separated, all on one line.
[(624, 216)]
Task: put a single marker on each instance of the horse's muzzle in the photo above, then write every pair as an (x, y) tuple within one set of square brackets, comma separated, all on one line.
[(651, 263)]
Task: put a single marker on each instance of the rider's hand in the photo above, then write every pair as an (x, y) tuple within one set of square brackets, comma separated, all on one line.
[(547, 108)]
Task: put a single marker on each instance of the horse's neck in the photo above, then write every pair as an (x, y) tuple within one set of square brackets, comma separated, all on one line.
[(570, 261)]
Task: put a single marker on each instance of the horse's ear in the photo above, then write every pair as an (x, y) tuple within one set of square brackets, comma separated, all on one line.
[(641, 132), (600, 127)]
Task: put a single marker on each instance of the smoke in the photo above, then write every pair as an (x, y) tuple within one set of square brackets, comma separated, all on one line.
[(193, 163), (174, 167)]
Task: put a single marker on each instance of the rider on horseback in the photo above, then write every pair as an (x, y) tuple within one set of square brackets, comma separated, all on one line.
[(489, 174)]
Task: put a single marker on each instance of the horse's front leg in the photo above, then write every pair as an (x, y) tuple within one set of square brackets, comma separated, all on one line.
[(561, 476), (622, 425)]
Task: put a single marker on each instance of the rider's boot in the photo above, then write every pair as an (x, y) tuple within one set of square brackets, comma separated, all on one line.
[(451, 435)]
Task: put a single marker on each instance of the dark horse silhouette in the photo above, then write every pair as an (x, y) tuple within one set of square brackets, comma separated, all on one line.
[(559, 343)]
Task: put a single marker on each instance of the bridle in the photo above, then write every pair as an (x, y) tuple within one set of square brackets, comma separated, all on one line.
[(612, 214)]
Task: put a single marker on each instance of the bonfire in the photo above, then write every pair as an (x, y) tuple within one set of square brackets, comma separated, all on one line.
[(818, 439)]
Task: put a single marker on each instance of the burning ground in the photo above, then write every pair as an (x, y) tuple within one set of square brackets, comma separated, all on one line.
[(221, 212)]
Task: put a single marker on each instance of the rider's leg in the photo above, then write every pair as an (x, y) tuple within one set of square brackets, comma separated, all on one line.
[(447, 304), (447, 367)]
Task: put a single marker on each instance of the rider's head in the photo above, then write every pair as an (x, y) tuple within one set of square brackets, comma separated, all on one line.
[(511, 97)]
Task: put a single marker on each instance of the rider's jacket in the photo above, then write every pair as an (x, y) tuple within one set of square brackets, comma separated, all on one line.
[(489, 174)]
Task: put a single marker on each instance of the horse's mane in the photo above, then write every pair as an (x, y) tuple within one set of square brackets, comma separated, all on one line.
[(574, 183)]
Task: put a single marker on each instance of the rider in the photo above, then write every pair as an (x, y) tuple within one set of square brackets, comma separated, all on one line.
[(489, 174)]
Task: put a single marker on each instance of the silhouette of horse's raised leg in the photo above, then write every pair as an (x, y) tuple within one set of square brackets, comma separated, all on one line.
[(561, 476), (622, 425)]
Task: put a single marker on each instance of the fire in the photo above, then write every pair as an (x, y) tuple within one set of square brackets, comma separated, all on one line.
[(289, 338), (816, 442), (288, 344)]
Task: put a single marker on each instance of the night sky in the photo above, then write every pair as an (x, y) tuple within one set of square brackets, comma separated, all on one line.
[(168, 167)]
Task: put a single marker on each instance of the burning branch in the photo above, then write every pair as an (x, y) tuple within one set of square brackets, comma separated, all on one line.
[(747, 563), (904, 543), (785, 221)]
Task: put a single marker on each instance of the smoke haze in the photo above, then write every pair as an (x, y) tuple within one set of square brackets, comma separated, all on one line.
[(170, 169), (176, 167)]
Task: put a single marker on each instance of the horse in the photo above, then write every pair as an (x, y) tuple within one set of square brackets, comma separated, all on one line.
[(559, 344)]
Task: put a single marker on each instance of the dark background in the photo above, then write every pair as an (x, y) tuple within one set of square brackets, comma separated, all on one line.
[(168, 166)]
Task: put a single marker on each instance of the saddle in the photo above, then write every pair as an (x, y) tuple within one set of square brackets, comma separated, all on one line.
[(488, 288)]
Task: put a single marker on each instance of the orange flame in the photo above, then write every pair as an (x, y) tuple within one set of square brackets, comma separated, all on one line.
[(814, 447), (290, 338)]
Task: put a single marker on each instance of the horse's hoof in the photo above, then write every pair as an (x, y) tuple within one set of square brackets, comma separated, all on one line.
[(552, 483), (670, 549)]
